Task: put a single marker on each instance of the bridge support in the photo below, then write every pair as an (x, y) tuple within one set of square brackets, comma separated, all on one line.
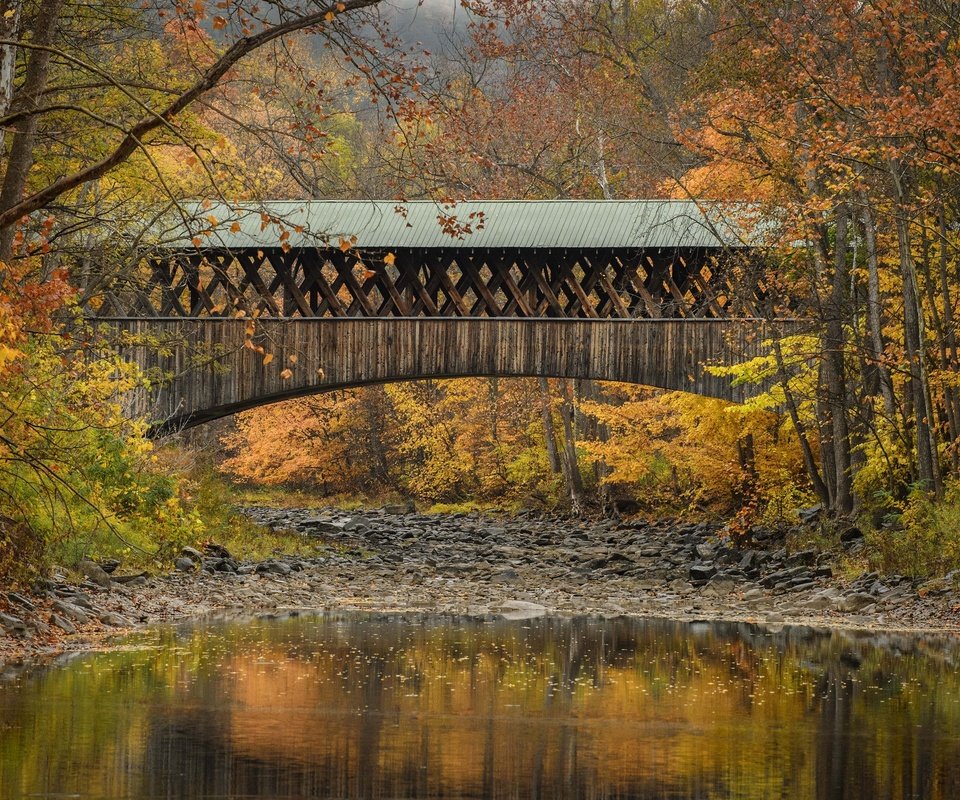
[(207, 368)]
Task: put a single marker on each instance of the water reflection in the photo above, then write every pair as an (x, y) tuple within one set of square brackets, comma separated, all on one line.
[(391, 707)]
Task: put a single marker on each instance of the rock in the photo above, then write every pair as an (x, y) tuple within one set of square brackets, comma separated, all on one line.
[(216, 550), (822, 601), (505, 576), (109, 565), (705, 551), (95, 573), (519, 609), (856, 601), (184, 564), (719, 586), (701, 573), (811, 514), (71, 612), (20, 600), (851, 534), (12, 624), (804, 557), (273, 568), (748, 561), (114, 620), (130, 580), (65, 625), (192, 553), (399, 508)]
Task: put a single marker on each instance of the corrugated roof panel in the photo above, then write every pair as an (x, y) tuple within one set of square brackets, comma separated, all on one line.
[(513, 224)]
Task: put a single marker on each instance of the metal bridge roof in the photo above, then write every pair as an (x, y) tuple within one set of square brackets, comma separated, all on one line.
[(510, 224)]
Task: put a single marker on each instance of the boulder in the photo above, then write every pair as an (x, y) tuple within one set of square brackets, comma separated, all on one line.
[(519, 610), (114, 620), (701, 573), (95, 573), (65, 625), (12, 624), (70, 611), (184, 564)]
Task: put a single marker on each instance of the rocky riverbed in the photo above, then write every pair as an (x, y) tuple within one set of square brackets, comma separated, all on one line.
[(393, 560)]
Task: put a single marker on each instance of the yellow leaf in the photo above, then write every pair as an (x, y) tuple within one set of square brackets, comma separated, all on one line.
[(235, 228), (267, 359), (389, 258), (320, 373), (341, 7), (329, 16), (213, 220)]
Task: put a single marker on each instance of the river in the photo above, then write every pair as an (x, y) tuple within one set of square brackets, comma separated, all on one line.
[(416, 706)]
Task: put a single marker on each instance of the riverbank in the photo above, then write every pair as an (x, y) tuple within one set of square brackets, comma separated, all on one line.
[(391, 560)]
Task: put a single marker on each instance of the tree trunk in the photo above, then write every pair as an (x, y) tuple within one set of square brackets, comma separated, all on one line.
[(928, 467), (835, 371), (549, 434), (9, 31), (874, 310), (25, 130), (571, 466), (809, 461)]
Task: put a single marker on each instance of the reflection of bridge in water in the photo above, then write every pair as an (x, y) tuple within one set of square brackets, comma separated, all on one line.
[(263, 304)]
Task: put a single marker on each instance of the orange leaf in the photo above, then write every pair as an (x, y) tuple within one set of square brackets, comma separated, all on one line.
[(287, 373), (218, 23), (344, 244), (389, 258), (267, 359), (293, 359), (235, 228), (329, 16)]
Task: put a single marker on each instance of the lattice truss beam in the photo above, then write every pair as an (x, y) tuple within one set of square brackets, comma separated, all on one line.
[(428, 283)]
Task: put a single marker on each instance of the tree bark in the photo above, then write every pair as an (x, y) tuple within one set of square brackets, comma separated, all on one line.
[(571, 466), (25, 130), (10, 11), (835, 372), (928, 467), (549, 434), (874, 311)]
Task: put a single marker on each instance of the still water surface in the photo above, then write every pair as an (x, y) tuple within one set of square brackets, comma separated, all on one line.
[(397, 707)]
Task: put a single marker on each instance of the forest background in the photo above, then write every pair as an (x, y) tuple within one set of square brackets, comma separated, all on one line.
[(835, 119)]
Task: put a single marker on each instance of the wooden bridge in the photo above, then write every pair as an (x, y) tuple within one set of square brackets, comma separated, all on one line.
[(248, 305)]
